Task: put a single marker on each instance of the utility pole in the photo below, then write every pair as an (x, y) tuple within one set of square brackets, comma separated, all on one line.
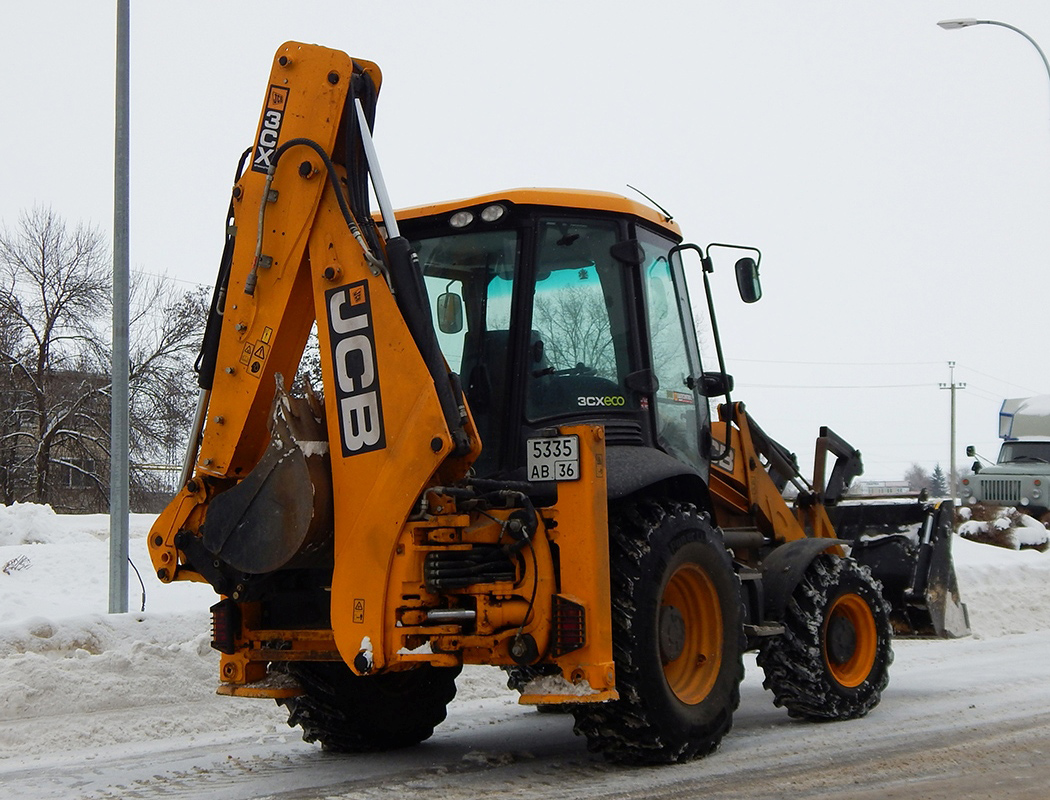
[(118, 398), (952, 386)]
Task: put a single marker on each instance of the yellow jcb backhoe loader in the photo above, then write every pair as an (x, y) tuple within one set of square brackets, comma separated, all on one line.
[(510, 462)]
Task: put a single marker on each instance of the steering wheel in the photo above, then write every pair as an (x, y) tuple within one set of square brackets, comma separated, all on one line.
[(579, 369)]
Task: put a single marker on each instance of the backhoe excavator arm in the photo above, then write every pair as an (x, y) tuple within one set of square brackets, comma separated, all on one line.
[(392, 423)]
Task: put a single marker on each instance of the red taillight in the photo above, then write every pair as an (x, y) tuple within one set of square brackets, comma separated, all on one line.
[(225, 625), (570, 626)]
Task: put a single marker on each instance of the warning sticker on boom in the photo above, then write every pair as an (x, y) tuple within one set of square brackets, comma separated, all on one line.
[(254, 354)]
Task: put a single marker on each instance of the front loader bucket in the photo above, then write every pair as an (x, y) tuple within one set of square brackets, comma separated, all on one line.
[(280, 514), (907, 546)]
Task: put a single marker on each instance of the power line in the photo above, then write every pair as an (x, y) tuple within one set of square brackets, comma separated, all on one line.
[(986, 394), (1027, 389), (929, 385), (1008, 383), (840, 363), (170, 278)]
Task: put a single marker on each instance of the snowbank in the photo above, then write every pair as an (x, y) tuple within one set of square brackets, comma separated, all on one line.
[(57, 565), (1007, 526), (28, 523), (1006, 591)]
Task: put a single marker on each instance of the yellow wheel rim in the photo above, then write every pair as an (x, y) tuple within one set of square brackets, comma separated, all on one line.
[(851, 613), (690, 634)]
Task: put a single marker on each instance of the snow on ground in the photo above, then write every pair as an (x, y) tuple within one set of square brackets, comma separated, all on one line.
[(73, 676), (79, 684)]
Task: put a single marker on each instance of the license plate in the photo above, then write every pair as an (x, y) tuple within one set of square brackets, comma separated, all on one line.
[(554, 459)]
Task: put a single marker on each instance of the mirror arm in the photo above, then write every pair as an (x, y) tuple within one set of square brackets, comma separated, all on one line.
[(754, 250), (708, 267)]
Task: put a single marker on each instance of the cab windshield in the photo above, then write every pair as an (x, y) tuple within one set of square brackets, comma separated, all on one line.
[(579, 344), (1025, 452)]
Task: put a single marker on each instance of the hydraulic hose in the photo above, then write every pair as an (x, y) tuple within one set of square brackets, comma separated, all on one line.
[(374, 262)]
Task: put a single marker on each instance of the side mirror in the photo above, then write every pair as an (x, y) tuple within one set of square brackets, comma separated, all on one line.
[(449, 312), (715, 384), (971, 451), (747, 280)]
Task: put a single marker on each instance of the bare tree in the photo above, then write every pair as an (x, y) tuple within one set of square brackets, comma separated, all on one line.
[(918, 478), (574, 326), (166, 329), (55, 281), (55, 361), (8, 339)]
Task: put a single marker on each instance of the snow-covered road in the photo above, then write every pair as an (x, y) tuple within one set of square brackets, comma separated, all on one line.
[(121, 706)]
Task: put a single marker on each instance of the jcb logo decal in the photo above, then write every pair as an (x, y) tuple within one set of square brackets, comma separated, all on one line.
[(270, 129), (354, 363)]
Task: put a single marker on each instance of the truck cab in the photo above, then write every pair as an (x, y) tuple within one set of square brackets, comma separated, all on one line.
[(1021, 475)]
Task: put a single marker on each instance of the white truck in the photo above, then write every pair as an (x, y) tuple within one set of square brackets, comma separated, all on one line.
[(1021, 475)]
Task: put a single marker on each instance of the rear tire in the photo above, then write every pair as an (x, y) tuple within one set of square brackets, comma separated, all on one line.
[(832, 662), (348, 713), (677, 638)]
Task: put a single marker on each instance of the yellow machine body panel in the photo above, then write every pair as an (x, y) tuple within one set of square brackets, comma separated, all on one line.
[(386, 430), (745, 494)]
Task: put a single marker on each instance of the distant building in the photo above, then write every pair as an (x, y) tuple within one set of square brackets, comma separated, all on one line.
[(881, 488)]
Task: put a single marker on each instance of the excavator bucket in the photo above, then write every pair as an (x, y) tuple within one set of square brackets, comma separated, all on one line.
[(280, 514), (907, 546)]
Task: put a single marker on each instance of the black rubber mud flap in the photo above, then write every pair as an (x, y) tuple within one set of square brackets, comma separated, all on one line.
[(908, 548), (280, 514)]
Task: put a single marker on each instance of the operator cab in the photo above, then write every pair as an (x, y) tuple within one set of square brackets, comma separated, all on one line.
[(559, 307)]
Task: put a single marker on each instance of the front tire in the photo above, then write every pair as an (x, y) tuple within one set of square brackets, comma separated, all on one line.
[(349, 713), (832, 662), (677, 638)]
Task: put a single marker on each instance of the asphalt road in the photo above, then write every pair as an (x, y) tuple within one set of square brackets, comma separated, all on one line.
[(963, 719)]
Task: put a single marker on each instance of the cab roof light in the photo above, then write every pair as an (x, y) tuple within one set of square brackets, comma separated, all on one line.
[(461, 219), (493, 212)]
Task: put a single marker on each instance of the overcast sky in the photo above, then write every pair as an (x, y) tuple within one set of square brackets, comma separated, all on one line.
[(896, 176)]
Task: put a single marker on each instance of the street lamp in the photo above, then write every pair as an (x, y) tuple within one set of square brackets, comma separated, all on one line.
[(952, 24)]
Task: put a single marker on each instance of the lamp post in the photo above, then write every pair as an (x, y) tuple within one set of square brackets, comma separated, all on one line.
[(952, 24), (118, 451)]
